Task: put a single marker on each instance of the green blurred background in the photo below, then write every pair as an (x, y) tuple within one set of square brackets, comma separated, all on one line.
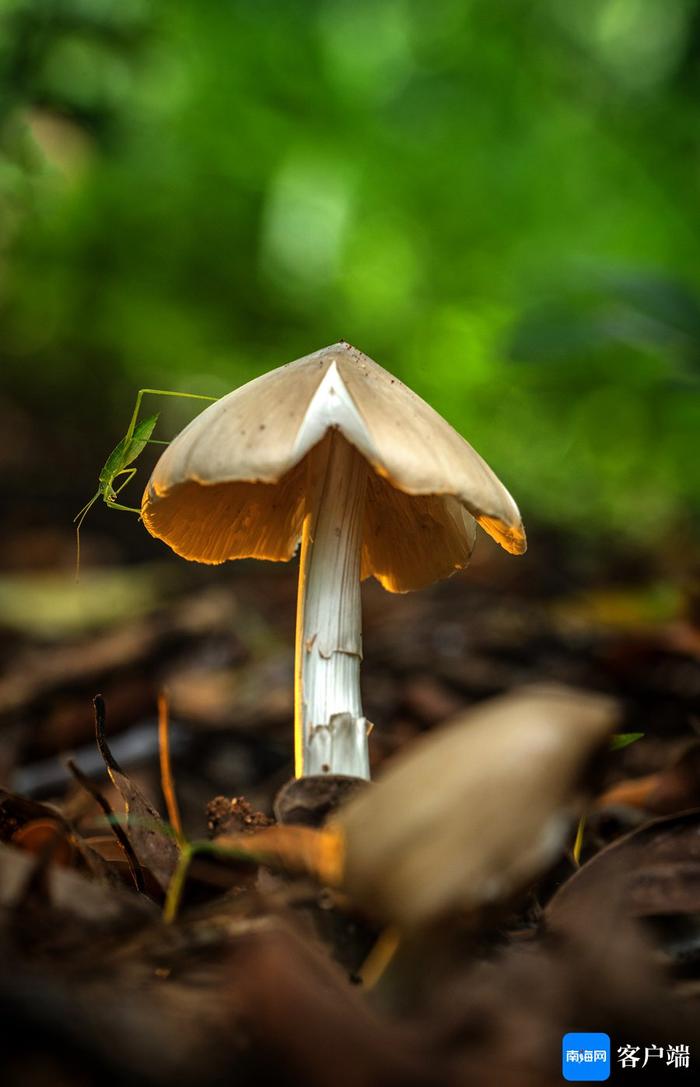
[(497, 201)]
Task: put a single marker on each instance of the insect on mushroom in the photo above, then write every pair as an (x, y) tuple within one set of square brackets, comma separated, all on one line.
[(117, 465), (334, 451)]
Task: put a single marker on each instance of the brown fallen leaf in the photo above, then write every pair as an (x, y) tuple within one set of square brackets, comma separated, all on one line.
[(245, 698), (474, 810), (69, 891), (296, 1006), (502, 1017), (655, 870), (672, 789), (118, 832), (132, 649), (150, 837), (39, 835), (16, 811), (30, 826)]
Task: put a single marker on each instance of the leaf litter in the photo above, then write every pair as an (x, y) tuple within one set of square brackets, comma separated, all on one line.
[(263, 972)]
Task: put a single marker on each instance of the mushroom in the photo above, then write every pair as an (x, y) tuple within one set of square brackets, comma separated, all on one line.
[(335, 451), (462, 821), (513, 773)]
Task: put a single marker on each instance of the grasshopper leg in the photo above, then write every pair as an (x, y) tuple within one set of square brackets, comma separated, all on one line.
[(129, 473), (159, 392)]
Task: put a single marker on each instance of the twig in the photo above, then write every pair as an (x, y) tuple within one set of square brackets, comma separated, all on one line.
[(119, 832), (166, 773), (578, 844), (380, 957), (102, 745)]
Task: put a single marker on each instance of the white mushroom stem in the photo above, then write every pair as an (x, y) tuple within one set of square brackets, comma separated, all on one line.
[(330, 729)]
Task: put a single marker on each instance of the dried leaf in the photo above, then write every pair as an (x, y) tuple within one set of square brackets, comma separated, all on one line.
[(68, 891), (652, 871), (118, 831), (151, 838), (16, 811), (39, 836), (281, 987), (673, 789)]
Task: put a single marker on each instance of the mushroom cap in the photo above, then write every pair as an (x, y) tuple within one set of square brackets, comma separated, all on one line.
[(474, 810), (234, 483)]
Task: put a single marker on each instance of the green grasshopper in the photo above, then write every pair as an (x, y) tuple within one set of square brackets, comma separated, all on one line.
[(117, 465)]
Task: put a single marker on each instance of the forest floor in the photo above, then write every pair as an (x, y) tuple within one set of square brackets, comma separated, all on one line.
[(264, 975)]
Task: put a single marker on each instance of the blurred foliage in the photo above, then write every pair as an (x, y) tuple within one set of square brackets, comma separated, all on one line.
[(498, 202), (48, 605)]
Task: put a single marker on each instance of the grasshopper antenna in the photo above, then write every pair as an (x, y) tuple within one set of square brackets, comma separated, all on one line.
[(77, 521)]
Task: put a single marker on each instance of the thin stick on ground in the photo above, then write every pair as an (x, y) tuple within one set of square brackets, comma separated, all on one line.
[(102, 745), (380, 957), (166, 773), (578, 844), (112, 819)]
